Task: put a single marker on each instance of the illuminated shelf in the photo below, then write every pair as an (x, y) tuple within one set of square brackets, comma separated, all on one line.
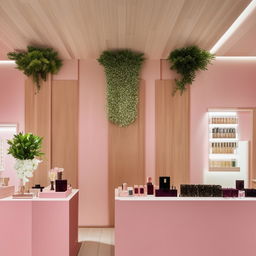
[(222, 156), (222, 125), (223, 139), (224, 169)]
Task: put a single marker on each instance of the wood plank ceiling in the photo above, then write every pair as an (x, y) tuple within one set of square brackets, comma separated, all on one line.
[(81, 29)]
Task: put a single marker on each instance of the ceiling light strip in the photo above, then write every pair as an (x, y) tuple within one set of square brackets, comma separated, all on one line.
[(252, 58)]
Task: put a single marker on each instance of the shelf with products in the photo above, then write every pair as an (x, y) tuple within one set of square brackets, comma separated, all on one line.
[(223, 141), (223, 118), (221, 148)]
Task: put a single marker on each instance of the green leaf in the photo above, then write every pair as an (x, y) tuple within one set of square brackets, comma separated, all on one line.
[(25, 146)]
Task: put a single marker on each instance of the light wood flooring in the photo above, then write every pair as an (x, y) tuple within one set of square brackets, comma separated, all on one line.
[(96, 241)]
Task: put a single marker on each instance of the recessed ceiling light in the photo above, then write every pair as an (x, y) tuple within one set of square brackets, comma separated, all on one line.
[(7, 61), (252, 58), (241, 18)]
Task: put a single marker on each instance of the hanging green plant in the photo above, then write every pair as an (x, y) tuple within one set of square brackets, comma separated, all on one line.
[(37, 63), (122, 68), (187, 61)]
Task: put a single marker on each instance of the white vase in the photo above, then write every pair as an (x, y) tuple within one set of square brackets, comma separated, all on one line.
[(25, 169)]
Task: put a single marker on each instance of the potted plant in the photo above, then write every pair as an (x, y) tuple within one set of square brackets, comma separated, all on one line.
[(25, 148), (187, 61), (37, 63), (122, 68)]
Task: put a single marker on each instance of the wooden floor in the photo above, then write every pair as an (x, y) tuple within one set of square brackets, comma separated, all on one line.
[(96, 241)]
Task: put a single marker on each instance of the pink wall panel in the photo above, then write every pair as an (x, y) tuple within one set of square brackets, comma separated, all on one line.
[(93, 146), (11, 95), (11, 109), (227, 83)]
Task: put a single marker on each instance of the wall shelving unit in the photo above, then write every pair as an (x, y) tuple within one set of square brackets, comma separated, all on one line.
[(223, 141)]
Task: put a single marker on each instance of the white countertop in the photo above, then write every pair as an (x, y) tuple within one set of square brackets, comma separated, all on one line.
[(191, 199), (74, 191)]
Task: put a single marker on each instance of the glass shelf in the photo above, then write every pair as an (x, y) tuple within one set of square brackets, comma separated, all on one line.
[(223, 139), (222, 125), (224, 169)]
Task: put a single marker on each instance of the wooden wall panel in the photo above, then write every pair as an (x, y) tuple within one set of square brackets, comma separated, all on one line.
[(65, 128), (126, 153), (38, 121), (172, 133)]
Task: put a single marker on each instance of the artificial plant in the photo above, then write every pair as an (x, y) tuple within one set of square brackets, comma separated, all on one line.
[(122, 68), (187, 61), (37, 63), (25, 146)]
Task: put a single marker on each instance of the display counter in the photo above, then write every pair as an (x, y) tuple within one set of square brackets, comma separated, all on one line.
[(182, 226), (39, 226)]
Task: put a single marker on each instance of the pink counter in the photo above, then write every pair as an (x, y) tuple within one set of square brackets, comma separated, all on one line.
[(39, 227), (185, 226)]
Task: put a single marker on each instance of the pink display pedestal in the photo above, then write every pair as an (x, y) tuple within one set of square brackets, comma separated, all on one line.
[(47, 193), (185, 226), (39, 227)]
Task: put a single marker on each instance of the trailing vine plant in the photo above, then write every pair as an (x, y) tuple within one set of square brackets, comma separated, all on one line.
[(37, 63), (187, 61), (122, 69)]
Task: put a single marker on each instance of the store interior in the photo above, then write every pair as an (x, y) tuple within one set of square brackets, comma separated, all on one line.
[(202, 135)]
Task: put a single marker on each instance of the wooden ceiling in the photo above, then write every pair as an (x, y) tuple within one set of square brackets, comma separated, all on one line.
[(243, 41), (81, 29)]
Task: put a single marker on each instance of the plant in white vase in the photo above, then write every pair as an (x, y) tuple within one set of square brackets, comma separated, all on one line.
[(25, 148)]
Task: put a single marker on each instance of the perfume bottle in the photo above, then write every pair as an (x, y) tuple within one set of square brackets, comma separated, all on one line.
[(141, 190), (52, 177), (60, 184), (150, 187), (164, 183), (136, 190)]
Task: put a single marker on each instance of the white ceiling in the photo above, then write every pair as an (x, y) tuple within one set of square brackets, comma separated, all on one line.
[(81, 29)]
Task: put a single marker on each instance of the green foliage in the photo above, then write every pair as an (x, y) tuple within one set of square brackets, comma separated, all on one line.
[(25, 146), (122, 68), (37, 62), (186, 61)]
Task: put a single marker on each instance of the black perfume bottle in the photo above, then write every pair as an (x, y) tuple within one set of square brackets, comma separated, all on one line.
[(150, 187), (164, 183), (60, 184), (240, 184)]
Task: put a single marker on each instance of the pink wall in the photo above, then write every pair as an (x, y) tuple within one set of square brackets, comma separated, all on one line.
[(93, 145), (227, 83), (12, 95), (11, 110)]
